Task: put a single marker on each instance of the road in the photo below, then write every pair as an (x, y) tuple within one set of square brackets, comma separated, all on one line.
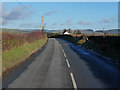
[(59, 66)]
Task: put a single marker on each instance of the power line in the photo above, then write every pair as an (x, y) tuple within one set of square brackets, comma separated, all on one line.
[(33, 14), (27, 8)]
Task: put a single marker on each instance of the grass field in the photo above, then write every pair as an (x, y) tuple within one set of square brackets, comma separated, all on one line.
[(17, 55)]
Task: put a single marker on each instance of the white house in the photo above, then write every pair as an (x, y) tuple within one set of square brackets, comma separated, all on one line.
[(66, 33)]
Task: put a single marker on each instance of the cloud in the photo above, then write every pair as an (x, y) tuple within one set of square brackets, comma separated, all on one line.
[(109, 20), (4, 13), (16, 13), (84, 23), (3, 21), (62, 24), (28, 25), (54, 24), (69, 22), (105, 20), (50, 13)]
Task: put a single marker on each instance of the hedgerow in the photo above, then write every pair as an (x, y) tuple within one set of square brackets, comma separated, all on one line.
[(11, 40)]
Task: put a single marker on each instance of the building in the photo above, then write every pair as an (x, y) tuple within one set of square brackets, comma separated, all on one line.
[(66, 33)]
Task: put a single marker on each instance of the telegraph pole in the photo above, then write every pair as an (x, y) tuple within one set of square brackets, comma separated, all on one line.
[(103, 31), (41, 26), (44, 27)]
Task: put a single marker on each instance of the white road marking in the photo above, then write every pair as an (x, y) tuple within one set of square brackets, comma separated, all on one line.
[(71, 74), (62, 50), (67, 63), (73, 81), (59, 45), (64, 54)]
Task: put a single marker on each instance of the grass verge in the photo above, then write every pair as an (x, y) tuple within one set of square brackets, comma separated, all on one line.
[(18, 55)]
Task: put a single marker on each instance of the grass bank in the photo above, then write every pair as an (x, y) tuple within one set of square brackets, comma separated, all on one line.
[(15, 56)]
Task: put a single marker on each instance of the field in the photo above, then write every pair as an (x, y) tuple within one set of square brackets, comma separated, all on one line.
[(16, 48), (15, 30)]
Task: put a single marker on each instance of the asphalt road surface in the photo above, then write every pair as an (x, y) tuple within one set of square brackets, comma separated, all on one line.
[(59, 66)]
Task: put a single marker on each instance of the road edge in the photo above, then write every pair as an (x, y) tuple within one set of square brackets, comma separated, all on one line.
[(8, 78)]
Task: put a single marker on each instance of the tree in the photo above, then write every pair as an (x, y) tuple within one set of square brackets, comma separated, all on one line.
[(64, 31), (74, 32), (69, 30), (78, 32)]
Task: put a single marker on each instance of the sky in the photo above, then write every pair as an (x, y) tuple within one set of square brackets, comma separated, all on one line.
[(60, 15)]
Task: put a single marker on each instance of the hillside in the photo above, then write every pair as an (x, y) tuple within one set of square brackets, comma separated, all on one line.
[(15, 30), (111, 31)]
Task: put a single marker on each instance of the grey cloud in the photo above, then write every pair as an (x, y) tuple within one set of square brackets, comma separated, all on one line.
[(28, 25), (84, 23), (62, 24), (109, 20), (69, 22), (50, 13), (16, 13), (4, 22), (106, 20), (54, 24)]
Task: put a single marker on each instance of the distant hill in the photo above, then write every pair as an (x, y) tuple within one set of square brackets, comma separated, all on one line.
[(86, 31), (83, 31), (111, 31), (54, 31), (15, 30)]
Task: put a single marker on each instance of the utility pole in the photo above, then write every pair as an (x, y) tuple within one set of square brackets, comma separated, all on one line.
[(103, 31), (41, 26), (44, 27)]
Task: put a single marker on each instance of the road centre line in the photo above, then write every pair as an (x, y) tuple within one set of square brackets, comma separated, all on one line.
[(59, 45), (67, 63), (71, 74), (73, 81), (62, 50), (64, 54)]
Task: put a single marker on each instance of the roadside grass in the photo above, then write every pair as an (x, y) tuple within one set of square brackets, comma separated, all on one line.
[(17, 55)]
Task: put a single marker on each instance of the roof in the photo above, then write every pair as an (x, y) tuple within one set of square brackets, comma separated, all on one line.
[(66, 32)]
